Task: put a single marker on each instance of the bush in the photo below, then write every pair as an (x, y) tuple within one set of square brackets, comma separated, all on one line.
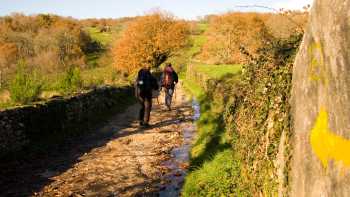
[(250, 115), (71, 80), (26, 86)]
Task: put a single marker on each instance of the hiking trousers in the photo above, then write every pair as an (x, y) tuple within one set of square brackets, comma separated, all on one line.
[(146, 107), (168, 96)]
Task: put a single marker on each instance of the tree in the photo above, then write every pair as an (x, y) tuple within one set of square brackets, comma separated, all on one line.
[(229, 32), (8, 56), (151, 40)]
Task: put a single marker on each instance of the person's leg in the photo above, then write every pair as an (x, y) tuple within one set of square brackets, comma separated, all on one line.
[(148, 108), (168, 97), (142, 110)]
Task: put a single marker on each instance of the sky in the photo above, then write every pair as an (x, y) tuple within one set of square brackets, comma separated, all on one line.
[(187, 9)]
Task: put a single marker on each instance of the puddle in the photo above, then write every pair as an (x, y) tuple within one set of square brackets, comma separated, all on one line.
[(178, 163)]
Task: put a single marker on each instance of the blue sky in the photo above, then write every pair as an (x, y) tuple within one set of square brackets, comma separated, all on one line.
[(188, 9)]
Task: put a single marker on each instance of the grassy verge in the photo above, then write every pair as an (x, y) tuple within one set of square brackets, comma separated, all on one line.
[(240, 129), (213, 169), (194, 89)]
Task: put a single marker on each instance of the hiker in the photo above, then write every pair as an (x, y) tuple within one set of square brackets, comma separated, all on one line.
[(169, 79), (144, 85)]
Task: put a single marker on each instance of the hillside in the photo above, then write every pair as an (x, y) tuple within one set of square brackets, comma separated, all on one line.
[(261, 107)]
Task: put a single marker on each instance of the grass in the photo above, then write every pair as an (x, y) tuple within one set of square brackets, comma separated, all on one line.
[(102, 75), (92, 59), (90, 78), (6, 105), (197, 44), (194, 89), (218, 71), (213, 170), (214, 177), (203, 27), (104, 38)]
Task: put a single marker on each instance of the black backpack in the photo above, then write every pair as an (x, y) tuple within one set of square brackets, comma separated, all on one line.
[(145, 81)]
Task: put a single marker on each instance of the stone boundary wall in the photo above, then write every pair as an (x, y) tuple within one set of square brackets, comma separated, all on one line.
[(21, 125)]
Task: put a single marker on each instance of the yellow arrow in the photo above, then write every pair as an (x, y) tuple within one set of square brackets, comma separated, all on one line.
[(326, 145)]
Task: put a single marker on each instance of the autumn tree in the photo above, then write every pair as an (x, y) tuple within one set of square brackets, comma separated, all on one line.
[(287, 23), (229, 32), (47, 42), (151, 40), (8, 57)]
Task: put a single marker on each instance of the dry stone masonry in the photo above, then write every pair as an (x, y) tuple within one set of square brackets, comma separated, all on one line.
[(20, 126)]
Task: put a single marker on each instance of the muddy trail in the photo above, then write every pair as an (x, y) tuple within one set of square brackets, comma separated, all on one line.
[(117, 159)]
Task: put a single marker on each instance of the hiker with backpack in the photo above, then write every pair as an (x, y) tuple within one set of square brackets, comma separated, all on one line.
[(144, 85), (169, 79)]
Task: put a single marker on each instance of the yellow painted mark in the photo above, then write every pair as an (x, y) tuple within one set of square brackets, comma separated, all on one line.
[(317, 67), (326, 145)]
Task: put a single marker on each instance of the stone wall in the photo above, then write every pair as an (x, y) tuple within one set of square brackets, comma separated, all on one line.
[(22, 125)]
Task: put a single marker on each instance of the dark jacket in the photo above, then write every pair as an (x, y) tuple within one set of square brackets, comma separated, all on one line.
[(145, 83)]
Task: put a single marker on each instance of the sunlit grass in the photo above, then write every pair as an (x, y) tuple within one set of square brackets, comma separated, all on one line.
[(197, 44), (105, 38), (203, 26), (218, 71), (194, 89)]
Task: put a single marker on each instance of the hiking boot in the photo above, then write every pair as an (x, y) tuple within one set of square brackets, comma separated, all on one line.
[(141, 123), (146, 125)]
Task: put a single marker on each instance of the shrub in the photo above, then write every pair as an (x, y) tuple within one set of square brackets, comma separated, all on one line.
[(71, 80), (26, 86)]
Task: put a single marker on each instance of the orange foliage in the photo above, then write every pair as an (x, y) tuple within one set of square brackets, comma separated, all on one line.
[(8, 54), (228, 32), (8, 58), (47, 42), (150, 40), (285, 24)]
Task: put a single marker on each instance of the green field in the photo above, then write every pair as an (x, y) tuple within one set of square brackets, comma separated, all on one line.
[(218, 71), (197, 43), (105, 38), (203, 27)]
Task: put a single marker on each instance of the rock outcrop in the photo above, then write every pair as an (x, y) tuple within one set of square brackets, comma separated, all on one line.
[(321, 104)]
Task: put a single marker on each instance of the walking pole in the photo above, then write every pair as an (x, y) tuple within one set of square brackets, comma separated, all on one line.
[(175, 92), (158, 94)]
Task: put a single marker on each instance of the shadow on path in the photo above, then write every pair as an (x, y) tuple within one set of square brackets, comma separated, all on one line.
[(27, 173)]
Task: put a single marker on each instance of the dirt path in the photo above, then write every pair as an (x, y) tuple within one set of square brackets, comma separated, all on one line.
[(120, 159)]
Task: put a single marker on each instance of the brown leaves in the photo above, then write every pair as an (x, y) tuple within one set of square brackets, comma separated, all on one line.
[(8, 54), (149, 40), (47, 43), (228, 32)]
